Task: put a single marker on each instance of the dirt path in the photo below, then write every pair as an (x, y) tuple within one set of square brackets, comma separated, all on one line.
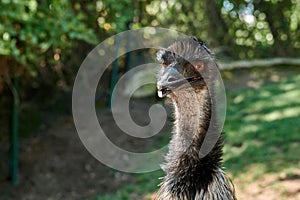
[(270, 187), (55, 165)]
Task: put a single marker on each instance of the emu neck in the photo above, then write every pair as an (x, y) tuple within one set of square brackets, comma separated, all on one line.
[(186, 172), (192, 117)]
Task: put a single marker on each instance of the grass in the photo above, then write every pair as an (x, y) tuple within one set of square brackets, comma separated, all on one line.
[(262, 128), (261, 136)]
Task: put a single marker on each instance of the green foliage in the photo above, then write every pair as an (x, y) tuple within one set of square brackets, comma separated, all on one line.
[(36, 32), (244, 29), (263, 28), (29, 30)]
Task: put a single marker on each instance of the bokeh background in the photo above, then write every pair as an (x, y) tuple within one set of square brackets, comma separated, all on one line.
[(43, 43)]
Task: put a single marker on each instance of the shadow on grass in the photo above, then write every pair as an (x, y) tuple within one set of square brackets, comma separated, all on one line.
[(262, 129)]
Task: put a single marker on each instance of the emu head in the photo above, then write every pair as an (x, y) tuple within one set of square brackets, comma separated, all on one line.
[(185, 65)]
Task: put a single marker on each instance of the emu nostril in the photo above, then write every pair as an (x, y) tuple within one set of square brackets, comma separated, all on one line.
[(171, 79)]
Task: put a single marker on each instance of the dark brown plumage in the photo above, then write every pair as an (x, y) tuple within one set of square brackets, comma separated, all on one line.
[(188, 69)]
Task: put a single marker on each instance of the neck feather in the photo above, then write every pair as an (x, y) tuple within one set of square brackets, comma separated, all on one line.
[(188, 175), (192, 119)]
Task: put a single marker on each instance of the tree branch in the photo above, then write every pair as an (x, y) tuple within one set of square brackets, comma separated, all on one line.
[(259, 63)]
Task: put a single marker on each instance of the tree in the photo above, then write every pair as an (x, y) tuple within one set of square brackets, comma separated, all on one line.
[(34, 36)]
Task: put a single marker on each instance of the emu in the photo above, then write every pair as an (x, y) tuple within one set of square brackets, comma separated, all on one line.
[(183, 78)]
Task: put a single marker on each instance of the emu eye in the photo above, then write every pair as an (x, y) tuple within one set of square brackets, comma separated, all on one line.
[(165, 64), (199, 66)]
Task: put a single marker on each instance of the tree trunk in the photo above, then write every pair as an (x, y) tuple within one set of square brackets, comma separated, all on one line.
[(259, 63), (217, 24), (278, 24)]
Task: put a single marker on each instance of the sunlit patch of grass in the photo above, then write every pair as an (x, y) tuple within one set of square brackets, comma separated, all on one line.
[(262, 128)]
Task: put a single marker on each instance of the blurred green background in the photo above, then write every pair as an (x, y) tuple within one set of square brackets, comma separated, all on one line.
[(42, 44)]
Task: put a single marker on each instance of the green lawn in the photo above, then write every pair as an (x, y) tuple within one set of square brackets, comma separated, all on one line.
[(261, 136), (262, 128)]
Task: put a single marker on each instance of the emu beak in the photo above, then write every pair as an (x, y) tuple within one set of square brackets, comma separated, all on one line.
[(163, 91), (171, 80), (167, 81)]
